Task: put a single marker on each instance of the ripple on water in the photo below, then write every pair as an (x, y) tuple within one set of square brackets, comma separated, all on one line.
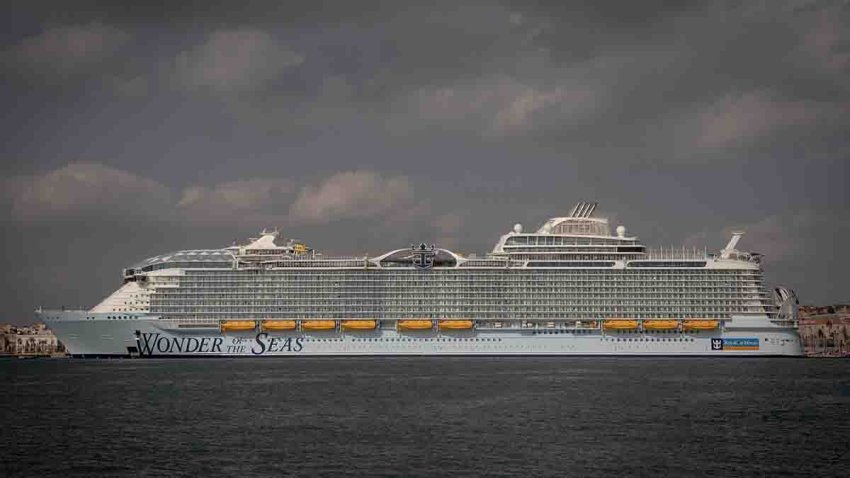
[(425, 416)]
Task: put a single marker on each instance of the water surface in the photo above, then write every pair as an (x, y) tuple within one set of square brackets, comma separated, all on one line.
[(410, 416)]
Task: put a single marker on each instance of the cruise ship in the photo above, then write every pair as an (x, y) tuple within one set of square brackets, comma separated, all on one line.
[(571, 287)]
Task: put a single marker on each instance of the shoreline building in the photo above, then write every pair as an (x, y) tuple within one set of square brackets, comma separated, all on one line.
[(825, 330), (29, 341)]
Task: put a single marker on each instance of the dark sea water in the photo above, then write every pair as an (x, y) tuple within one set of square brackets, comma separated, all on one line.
[(426, 417)]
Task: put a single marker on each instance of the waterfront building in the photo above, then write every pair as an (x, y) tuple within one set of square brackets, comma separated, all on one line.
[(825, 330), (33, 340)]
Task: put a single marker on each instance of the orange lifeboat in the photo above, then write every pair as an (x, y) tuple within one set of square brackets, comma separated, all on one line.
[(238, 325), (620, 324), (455, 324), (318, 325), (274, 325), (359, 324), (701, 324), (665, 324), (415, 324)]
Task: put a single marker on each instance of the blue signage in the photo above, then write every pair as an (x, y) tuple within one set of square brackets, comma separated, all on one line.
[(736, 343)]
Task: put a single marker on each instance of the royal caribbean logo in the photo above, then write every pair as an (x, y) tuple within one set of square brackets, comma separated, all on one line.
[(735, 344), (423, 256)]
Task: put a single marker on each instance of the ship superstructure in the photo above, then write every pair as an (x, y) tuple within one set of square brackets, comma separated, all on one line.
[(570, 287)]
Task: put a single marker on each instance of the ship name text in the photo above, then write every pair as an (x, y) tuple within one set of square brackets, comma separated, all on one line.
[(262, 344)]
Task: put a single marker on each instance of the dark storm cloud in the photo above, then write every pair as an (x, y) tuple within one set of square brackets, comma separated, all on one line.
[(131, 129)]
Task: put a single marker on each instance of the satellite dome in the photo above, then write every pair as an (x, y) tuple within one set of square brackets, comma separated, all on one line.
[(621, 231), (547, 228), (518, 228)]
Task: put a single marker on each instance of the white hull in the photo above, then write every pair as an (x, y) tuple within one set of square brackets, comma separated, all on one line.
[(151, 337)]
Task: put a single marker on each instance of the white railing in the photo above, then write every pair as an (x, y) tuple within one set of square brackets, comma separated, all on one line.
[(681, 253)]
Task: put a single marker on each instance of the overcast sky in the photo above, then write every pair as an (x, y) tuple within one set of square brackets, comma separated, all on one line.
[(360, 127)]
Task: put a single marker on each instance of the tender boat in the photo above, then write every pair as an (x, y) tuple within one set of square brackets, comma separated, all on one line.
[(700, 324), (456, 324), (276, 325), (415, 324), (359, 324), (318, 324), (238, 325), (660, 324), (620, 324)]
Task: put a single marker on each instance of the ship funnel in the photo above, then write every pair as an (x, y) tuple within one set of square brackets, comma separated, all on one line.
[(583, 209), (574, 212)]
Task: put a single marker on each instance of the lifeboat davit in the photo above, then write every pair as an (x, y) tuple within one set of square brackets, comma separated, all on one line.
[(660, 324), (278, 325), (620, 324), (455, 324), (318, 325), (701, 324), (415, 324), (359, 324), (237, 325)]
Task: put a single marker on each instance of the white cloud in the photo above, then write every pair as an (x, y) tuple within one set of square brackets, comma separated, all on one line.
[(257, 200), (824, 41), (779, 237), (448, 227), (782, 237), (517, 114), (86, 188), (131, 86), (750, 115), (93, 190), (64, 49), (353, 194), (500, 106), (776, 236), (234, 61)]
